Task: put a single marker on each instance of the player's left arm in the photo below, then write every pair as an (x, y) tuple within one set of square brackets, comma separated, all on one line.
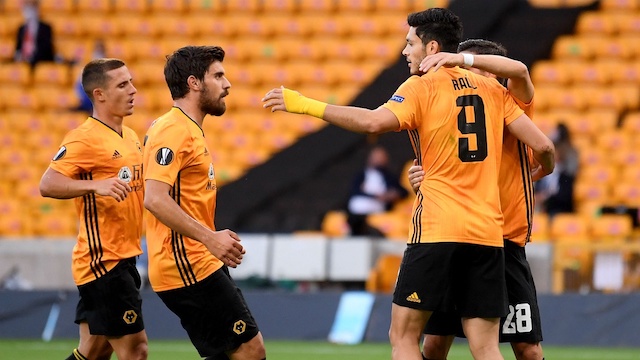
[(517, 73), (351, 118)]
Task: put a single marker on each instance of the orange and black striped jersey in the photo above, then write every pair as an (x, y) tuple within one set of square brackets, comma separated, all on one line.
[(516, 187), (175, 153), (455, 121), (109, 230)]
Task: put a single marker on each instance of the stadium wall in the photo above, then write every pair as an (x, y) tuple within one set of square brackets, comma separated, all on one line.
[(568, 320)]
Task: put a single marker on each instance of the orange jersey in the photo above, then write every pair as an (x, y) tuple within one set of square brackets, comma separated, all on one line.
[(516, 187), (175, 153), (109, 230), (455, 121)]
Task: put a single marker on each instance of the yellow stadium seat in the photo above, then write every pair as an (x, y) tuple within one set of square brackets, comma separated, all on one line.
[(570, 46), (606, 47), (242, 6), (574, 97), (285, 25), (540, 227), (628, 22), (316, 6), (94, 6), (52, 73), (622, 5), (626, 157), (614, 140), (631, 122), (7, 48), (54, 225), (251, 26), (276, 141), (98, 26), (15, 73), (627, 193), (588, 72), (57, 6), (382, 278), (334, 224), (53, 98), (280, 6), (9, 23), (75, 49), (62, 27), (593, 156), (550, 72), (419, 5), (360, 6), (601, 174), (568, 227), (402, 7), (139, 6), (629, 93), (16, 225), (18, 98), (589, 190), (176, 25), (169, 6), (611, 227), (602, 97), (630, 174), (596, 22), (204, 6)]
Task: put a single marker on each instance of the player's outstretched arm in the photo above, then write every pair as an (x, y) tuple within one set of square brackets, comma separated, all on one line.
[(55, 185), (224, 244), (543, 150), (519, 85), (350, 118)]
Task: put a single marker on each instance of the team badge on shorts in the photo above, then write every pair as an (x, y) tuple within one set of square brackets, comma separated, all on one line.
[(164, 156), (239, 327), (130, 317)]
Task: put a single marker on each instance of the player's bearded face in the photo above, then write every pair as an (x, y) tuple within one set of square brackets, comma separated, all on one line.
[(212, 103), (414, 51)]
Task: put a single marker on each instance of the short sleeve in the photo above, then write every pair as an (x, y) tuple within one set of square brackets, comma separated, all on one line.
[(76, 155), (526, 107), (404, 104), (168, 151), (511, 109)]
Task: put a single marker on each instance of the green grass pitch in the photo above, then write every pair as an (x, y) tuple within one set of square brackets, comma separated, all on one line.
[(296, 350)]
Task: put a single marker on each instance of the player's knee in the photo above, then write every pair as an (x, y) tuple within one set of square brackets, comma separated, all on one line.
[(527, 351), (141, 351)]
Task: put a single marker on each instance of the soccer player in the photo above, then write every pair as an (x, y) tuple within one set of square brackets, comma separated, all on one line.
[(188, 258), (522, 326), (100, 166), (455, 120)]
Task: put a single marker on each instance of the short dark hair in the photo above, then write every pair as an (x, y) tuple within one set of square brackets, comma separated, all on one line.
[(482, 47), (94, 74), (438, 24), (187, 61)]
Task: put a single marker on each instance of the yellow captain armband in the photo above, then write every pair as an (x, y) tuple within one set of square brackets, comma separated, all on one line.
[(299, 104)]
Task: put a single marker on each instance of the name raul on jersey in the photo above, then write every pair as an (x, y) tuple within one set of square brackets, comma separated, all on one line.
[(462, 83)]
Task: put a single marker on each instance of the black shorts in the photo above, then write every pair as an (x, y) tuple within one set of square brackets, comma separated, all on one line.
[(522, 323), (111, 305), (453, 277), (213, 312)]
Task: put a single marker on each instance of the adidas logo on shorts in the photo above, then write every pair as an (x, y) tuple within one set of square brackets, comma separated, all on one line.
[(414, 298)]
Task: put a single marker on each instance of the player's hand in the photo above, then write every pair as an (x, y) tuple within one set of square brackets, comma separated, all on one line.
[(225, 245), (538, 173), (113, 187), (416, 175), (440, 59), (274, 99)]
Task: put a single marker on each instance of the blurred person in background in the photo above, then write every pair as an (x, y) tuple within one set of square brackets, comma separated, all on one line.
[(374, 190), (188, 258), (554, 193), (522, 327), (100, 166), (34, 40)]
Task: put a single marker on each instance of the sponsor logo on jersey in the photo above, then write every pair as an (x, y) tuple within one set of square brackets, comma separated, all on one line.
[(60, 154), (129, 317), (397, 98), (164, 156), (125, 174), (414, 298), (239, 327)]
